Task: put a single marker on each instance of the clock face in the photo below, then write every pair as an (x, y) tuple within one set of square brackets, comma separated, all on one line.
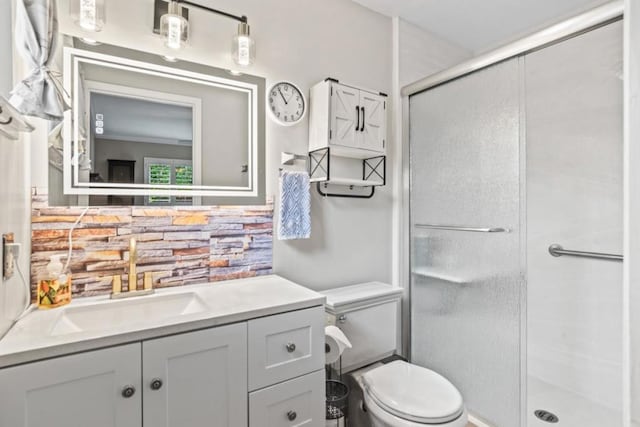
[(286, 103)]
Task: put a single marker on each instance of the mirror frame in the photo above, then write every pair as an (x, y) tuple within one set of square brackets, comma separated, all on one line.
[(150, 64)]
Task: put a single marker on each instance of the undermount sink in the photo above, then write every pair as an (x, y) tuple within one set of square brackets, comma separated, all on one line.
[(119, 314)]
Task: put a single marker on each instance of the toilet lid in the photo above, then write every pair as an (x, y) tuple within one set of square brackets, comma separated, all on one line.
[(413, 393)]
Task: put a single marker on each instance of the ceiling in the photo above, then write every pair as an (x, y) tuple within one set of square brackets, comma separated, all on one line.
[(478, 25)]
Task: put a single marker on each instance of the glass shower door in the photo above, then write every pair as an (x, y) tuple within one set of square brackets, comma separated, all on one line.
[(574, 199), (466, 285)]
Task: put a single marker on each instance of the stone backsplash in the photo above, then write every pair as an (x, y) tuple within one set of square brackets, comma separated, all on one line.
[(180, 245)]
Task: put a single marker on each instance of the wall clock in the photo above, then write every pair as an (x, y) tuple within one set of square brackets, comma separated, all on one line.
[(286, 103)]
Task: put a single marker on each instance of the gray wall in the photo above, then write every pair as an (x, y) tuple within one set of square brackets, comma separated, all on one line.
[(14, 186), (303, 41), (6, 65)]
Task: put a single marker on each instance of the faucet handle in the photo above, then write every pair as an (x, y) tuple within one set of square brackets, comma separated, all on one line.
[(116, 284), (148, 281)]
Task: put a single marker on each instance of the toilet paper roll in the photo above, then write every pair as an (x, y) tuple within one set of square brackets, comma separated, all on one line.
[(335, 344)]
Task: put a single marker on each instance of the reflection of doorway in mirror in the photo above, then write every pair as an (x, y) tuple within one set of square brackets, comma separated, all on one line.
[(121, 171)]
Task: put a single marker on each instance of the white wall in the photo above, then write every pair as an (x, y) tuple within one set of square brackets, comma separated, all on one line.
[(14, 186), (303, 41), (5, 48), (632, 207)]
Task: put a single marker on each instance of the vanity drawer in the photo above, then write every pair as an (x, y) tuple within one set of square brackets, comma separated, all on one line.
[(285, 346), (295, 402)]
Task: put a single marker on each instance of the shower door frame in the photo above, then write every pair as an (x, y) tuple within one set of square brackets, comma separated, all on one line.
[(572, 27)]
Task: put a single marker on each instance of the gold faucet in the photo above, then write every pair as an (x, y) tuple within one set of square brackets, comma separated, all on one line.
[(133, 259), (117, 293)]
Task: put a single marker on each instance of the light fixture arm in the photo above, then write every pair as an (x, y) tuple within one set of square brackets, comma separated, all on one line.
[(187, 3)]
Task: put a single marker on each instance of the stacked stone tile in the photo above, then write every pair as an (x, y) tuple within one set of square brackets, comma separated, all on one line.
[(180, 245)]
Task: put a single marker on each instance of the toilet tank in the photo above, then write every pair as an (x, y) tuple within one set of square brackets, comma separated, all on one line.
[(369, 315)]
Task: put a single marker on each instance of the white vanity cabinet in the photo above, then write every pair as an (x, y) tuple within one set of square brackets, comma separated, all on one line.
[(98, 389), (196, 379), (352, 122)]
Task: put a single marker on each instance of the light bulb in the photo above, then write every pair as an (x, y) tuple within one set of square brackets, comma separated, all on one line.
[(174, 27), (88, 14), (243, 46)]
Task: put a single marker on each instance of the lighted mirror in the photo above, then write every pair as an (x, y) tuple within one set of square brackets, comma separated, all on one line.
[(144, 131)]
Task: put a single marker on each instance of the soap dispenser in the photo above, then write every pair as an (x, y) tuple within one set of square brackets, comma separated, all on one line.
[(54, 288)]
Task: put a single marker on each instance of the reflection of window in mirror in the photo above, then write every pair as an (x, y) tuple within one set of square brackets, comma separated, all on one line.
[(168, 172)]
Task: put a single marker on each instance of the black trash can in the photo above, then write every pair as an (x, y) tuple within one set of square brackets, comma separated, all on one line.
[(337, 402)]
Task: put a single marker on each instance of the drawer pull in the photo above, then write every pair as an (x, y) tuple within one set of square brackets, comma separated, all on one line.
[(291, 347), (291, 415), (156, 384), (128, 391)]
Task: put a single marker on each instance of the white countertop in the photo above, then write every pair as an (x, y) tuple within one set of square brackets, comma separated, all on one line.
[(227, 302)]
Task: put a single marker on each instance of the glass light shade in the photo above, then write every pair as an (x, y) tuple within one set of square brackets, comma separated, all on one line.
[(88, 14), (244, 48), (174, 27)]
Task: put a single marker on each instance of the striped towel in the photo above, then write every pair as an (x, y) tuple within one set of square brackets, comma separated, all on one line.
[(295, 206)]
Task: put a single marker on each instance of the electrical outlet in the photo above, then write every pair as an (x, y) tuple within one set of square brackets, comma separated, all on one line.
[(10, 254)]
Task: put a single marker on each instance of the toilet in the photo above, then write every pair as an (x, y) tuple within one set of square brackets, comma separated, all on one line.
[(394, 394)]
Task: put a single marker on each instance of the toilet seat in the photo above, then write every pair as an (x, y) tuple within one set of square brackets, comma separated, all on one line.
[(413, 393)]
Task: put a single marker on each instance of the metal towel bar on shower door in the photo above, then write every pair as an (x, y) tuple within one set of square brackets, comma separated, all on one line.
[(557, 250), (464, 228)]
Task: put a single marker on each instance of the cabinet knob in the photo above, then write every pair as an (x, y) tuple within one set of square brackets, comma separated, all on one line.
[(128, 391), (291, 415), (342, 318), (156, 384), (291, 347)]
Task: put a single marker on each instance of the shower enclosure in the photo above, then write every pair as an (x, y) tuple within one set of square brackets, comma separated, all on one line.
[(510, 165)]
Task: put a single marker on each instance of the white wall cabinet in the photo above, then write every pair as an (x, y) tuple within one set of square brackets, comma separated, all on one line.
[(352, 122), (195, 379)]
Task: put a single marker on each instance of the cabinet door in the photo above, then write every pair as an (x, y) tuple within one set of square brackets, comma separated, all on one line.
[(345, 116), (196, 379), (374, 120), (297, 402), (82, 390)]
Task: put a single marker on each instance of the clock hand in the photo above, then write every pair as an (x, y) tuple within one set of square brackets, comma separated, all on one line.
[(283, 98)]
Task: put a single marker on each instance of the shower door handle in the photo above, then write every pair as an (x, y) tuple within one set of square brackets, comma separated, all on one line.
[(464, 228), (558, 251)]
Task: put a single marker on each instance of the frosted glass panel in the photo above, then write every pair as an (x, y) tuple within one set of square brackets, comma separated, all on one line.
[(574, 198), (466, 286)]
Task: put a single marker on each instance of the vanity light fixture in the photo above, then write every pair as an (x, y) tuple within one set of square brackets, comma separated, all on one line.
[(174, 27), (88, 14), (244, 49)]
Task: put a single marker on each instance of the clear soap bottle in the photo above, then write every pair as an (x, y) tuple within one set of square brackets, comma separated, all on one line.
[(54, 288)]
